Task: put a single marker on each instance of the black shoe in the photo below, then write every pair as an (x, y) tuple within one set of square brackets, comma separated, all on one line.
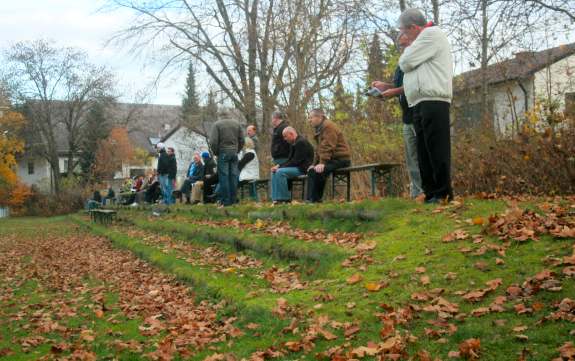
[(432, 200)]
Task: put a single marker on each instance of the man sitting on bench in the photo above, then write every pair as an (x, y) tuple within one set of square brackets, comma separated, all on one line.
[(332, 153), (300, 158)]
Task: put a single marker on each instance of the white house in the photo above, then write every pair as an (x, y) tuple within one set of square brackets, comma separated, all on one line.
[(145, 123), (185, 142), (516, 85)]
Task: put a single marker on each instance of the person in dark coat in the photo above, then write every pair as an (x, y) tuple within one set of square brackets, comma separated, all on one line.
[(166, 173), (208, 182), (252, 133), (194, 174), (300, 159), (280, 148), (153, 190)]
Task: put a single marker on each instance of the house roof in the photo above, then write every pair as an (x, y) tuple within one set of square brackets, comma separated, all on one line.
[(144, 121), (522, 66)]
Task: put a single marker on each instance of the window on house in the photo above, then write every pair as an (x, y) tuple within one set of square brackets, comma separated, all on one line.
[(65, 166), (30, 167)]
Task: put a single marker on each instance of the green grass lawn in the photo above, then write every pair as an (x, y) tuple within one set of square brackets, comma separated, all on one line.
[(348, 267)]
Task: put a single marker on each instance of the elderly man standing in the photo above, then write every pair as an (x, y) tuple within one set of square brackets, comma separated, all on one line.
[(226, 141), (332, 153), (253, 135), (280, 148), (428, 67), (300, 158)]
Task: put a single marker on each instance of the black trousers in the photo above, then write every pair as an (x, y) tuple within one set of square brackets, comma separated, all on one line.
[(209, 184), (432, 130), (316, 181)]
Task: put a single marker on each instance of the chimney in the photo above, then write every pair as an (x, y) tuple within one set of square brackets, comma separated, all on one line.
[(524, 56)]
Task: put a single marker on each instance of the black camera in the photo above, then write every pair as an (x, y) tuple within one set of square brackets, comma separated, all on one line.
[(373, 92)]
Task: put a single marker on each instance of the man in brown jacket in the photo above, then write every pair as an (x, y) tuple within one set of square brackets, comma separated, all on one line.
[(332, 152)]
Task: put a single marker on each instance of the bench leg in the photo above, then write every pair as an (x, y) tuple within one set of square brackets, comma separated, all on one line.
[(389, 185), (303, 187), (333, 186), (373, 182), (348, 195)]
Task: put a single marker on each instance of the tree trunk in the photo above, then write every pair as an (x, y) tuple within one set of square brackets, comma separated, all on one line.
[(435, 5), (485, 111), (402, 5)]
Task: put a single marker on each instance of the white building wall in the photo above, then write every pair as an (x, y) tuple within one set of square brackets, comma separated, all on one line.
[(556, 80), (41, 173), (185, 143), (509, 105)]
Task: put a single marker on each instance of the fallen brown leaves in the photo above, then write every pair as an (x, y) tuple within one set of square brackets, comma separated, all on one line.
[(63, 264), (524, 224), (344, 239), (283, 281)]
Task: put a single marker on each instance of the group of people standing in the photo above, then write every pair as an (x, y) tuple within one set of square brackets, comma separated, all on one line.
[(423, 83), (292, 156)]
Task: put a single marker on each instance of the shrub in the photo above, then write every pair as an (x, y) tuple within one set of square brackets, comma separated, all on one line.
[(536, 162)]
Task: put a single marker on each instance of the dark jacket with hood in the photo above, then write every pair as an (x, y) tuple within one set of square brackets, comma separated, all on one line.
[(280, 148), (163, 163)]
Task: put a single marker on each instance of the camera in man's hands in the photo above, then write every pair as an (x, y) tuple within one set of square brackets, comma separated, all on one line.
[(373, 92)]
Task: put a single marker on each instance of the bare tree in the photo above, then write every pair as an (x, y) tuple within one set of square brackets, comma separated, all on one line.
[(260, 53), (57, 85), (483, 30), (563, 7)]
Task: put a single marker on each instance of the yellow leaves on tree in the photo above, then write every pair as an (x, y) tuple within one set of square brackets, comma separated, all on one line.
[(113, 151), (12, 192)]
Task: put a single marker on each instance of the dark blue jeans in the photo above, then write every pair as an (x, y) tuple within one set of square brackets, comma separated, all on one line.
[(228, 175)]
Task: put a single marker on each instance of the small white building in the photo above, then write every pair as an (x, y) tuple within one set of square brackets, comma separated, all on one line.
[(185, 142), (516, 85)]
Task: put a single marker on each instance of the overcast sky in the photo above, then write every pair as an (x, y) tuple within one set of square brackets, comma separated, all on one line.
[(79, 23)]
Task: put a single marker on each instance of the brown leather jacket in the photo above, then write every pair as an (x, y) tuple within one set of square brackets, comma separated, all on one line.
[(331, 144)]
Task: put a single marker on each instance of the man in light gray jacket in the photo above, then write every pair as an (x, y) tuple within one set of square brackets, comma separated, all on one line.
[(428, 67)]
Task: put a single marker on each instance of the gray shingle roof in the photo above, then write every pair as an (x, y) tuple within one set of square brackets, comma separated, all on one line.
[(522, 66)]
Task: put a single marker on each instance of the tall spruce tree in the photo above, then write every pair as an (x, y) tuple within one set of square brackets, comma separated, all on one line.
[(97, 128), (191, 112), (343, 103), (375, 71)]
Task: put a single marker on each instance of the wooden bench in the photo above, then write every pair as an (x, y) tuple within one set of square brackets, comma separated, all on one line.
[(103, 216), (378, 172), (257, 185)]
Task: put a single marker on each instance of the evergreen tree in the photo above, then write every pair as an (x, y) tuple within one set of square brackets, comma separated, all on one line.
[(210, 111), (209, 114), (343, 103), (190, 103), (96, 129), (375, 67), (375, 108)]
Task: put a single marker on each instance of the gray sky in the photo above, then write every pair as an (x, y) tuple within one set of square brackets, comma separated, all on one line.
[(78, 23)]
